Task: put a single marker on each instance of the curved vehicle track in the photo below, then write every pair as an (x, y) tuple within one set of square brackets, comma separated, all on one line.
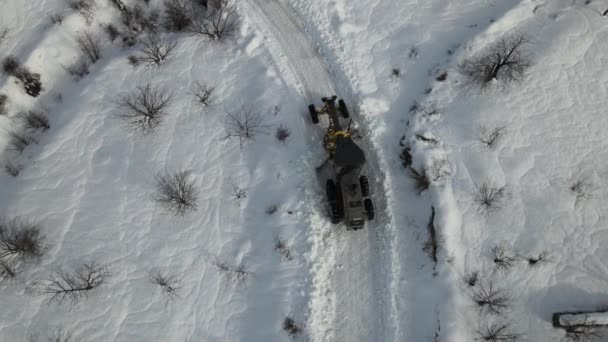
[(350, 295)]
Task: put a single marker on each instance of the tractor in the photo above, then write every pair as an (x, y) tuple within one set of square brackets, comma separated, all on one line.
[(347, 189)]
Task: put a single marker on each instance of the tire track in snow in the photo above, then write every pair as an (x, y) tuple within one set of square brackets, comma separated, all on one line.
[(347, 300)]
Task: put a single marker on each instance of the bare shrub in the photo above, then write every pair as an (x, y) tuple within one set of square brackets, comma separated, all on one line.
[(136, 19), (292, 328), (177, 16), (86, 8), (471, 278), (176, 192), (238, 193), (203, 94), (70, 287), (489, 299), (232, 273), (490, 197), (90, 45), (496, 332), (111, 31), (133, 60), (3, 101), (245, 124), (395, 73), (282, 133), (56, 19), (35, 120), (12, 169), (538, 259), (58, 335), (216, 23), (169, 283), (118, 4), (18, 141), (426, 139), (421, 178), (8, 270), (581, 188), (501, 258), (3, 34), (79, 69), (585, 332), (406, 156), (10, 65), (439, 169), (503, 61), (442, 77), (20, 239), (489, 137), (283, 249), (145, 108), (433, 243), (31, 81), (155, 50)]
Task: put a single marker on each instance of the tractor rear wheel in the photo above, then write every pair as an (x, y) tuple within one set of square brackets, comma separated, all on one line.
[(313, 114), (334, 201), (343, 109), (364, 186), (369, 208)]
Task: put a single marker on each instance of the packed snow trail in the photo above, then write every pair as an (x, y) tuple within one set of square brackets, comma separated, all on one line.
[(346, 297)]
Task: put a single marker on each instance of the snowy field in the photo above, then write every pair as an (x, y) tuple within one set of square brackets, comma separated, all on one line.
[(255, 257)]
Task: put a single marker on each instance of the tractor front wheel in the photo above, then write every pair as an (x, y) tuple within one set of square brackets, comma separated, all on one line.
[(313, 114), (343, 109), (364, 186)]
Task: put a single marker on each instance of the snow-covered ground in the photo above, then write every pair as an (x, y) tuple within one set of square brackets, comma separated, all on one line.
[(90, 180)]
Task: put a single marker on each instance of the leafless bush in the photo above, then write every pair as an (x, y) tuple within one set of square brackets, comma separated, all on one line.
[(3, 101), (581, 188), (233, 273), (216, 23), (245, 124), (90, 45), (588, 331), (489, 137), (490, 300), (31, 81), (12, 169), (433, 243), (496, 332), (503, 61), (290, 326), (501, 258), (471, 278), (136, 19), (406, 156), (8, 270), (203, 94), (86, 8), (238, 193), (118, 4), (421, 179), (10, 65), (133, 60), (490, 197), (35, 120), (18, 141), (156, 50), (79, 69), (426, 139), (396, 73), (70, 287), (442, 77), (282, 248), (538, 259), (169, 283), (58, 335), (20, 239), (145, 108), (56, 19), (176, 192), (439, 169), (282, 133), (177, 16), (111, 31)]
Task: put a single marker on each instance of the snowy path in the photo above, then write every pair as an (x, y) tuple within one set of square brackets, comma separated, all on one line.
[(346, 284)]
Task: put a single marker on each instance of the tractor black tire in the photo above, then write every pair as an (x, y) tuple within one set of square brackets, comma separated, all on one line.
[(313, 114), (343, 109), (330, 190), (369, 208), (334, 212), (364, 186)]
